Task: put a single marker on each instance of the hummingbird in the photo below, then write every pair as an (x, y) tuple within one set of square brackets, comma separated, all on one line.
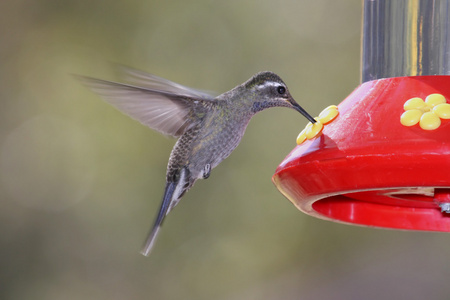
[(208, 127)]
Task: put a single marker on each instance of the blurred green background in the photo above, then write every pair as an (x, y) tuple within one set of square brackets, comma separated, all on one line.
[(80, 183)]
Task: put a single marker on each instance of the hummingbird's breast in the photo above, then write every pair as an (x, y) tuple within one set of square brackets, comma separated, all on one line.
[(220, 133), (215, 135)]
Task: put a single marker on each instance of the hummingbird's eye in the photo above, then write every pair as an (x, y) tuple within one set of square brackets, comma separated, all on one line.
[(281, 90)]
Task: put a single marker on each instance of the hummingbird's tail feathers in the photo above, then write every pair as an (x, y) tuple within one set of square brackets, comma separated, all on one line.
[(147, 249), (172, 195), (166, 203)]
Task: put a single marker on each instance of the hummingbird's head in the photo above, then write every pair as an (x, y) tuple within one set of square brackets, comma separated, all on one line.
[(267, 89)]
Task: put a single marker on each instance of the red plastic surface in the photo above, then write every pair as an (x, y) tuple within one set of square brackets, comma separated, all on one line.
[(368, 169)]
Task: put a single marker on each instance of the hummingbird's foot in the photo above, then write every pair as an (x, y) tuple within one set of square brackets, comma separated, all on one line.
[(206, 171)]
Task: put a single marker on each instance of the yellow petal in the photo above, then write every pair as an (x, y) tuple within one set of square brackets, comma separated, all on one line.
[(434, 99), (442, 110), (414, 103), (301, 137), (411, 117), (328, 114), (429, 121), (313, 130)]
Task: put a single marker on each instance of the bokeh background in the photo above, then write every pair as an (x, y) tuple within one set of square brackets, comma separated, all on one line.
[(80, 183)]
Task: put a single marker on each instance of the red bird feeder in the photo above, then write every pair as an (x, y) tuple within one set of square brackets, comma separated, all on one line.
[(385, 162)]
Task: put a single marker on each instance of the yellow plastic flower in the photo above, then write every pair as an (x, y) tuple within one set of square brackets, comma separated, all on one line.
[(311, 130), (427, 113)]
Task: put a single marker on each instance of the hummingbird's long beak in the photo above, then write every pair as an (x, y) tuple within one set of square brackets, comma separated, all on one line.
[(302, 111)]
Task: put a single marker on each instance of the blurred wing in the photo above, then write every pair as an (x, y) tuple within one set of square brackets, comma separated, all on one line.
[(153, 82), (162, 110)]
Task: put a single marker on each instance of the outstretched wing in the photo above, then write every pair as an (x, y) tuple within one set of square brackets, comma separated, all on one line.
[(160, 104), (153, 82)]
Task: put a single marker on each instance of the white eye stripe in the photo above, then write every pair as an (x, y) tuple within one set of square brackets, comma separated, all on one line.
[(270, 84)]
